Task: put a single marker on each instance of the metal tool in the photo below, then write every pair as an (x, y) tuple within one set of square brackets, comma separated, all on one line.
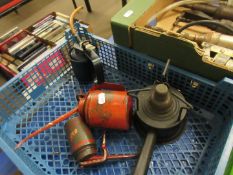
[(161, 115), (219, 56), (97, 159), (106, 105), (212, 37)]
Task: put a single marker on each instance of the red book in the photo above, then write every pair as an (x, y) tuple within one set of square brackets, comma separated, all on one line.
[(8, 71)]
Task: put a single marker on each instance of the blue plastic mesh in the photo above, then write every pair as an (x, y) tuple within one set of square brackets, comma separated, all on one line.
[(51, 148), (42, 93)]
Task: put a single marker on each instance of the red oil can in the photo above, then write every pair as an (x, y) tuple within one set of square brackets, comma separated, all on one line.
[(107, 106)]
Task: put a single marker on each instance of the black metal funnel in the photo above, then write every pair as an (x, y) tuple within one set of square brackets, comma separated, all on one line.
[(161, 115)]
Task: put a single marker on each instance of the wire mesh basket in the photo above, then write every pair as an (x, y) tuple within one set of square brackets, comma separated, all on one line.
[(48, 89)]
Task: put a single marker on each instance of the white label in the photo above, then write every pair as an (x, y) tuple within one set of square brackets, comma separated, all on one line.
[(101, 98), (128, 13)]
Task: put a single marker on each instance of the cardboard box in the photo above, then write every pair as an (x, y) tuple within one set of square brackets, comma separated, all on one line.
[(129, 27)]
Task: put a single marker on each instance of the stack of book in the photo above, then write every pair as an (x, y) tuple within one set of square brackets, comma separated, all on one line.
[(18, 47)]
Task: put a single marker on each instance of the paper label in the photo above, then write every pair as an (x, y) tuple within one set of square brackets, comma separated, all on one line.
[(128, 13), (101, 98)]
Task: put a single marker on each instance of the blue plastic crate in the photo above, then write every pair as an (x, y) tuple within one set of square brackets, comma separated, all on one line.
[(29, 103)]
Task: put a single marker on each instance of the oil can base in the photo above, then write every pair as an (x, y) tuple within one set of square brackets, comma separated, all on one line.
[(85, 153)]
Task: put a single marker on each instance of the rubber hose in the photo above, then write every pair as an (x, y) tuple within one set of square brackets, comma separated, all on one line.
[(205, 22), (175, 5), (73, 14)]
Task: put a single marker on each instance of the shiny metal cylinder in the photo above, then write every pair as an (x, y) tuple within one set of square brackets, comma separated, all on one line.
[(213, 38)]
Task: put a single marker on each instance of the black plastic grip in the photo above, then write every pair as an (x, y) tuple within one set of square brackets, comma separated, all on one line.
[(146, 153), (98, 67)]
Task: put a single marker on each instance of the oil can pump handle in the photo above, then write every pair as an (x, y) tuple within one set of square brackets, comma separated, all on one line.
[(146, 153), (133, 93), (164, 74), (164, 80), (89, 51)]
